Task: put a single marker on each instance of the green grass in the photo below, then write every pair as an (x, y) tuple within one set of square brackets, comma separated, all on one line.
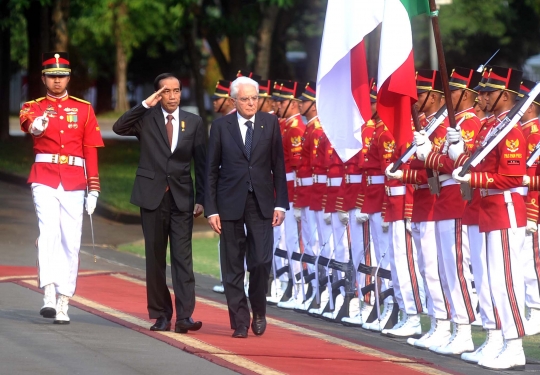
[(205, 254)]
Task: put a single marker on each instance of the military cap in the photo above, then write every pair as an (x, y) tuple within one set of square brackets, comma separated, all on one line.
[(503, 79), (55, 63)]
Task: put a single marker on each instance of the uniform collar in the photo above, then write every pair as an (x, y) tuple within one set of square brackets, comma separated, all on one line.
[(53, 98)]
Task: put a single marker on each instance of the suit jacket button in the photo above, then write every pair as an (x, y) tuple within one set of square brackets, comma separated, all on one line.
[(168, 175), (250, 167)]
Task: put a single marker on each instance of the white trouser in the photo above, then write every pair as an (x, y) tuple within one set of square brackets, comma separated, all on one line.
[(341, 245), (60, 217), (326, 240), (506, 279), (310, 237), (406, 280), (477, 243), (362, 251), (280, 243), (530, 262), (381, 243), (454, 259), (286, 238), (423, 234)]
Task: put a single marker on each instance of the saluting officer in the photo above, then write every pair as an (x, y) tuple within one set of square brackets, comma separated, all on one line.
[(66, 136)]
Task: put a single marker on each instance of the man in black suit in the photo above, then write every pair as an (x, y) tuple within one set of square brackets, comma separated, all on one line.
[(246, 185), (170, 138)]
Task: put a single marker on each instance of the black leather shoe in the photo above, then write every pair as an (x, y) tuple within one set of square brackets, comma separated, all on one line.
[(240, 333), (258, 325), (162, 324), (184, 325)]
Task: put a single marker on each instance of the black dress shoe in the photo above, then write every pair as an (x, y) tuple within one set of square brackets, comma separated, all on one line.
[(258, 325), (162, 324), (240, 333), (184, 325)]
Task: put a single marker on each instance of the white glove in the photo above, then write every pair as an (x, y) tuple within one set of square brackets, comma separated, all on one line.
[(531, 227), (327, 218), (39, 125), (360, 216), (456, 149), (90, 202), (297, 214), (465, 179), (343, 217), (408, 225), (423, 150), (453, 135), (526, 180), (420, 137), (397, 175), (385, 226)]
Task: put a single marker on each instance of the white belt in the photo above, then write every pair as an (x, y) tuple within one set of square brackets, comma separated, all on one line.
[(375, 180), (319, 179), (59, 159), (423, 186), (306, 181), (395, 190), (522, 190), (334, 181), (290, 176), (444, 177), (449, 182), (353, 178)]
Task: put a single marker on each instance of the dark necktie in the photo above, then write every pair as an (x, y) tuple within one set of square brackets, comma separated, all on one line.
[(247, 146), (169, 128)]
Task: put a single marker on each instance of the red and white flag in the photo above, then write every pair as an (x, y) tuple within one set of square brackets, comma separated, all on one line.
[(342, 80)]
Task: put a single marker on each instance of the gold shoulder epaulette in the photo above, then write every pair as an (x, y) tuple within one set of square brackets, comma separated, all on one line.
[(35, 100), (317, 124), (534, 128), (80, 100), (294, 123)]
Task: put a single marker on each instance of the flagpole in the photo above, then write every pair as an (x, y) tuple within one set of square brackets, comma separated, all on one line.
[(442, 62)]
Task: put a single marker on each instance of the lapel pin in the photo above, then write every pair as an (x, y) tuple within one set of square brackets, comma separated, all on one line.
[(183, 126), (262, 126)]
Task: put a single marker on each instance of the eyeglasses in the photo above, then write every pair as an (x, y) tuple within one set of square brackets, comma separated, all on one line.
[(248, 98)]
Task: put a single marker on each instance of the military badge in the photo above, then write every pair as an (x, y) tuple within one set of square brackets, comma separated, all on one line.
[(296, 141), (50, 111), (438, 141), (512, 145), (467, 135), (389, 146)]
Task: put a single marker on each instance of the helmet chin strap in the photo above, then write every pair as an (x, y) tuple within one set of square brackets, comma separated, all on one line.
[(221, 106), (286, 108), (262, 104), (424, 103), (308, 108), (459, 101), (496, 101)]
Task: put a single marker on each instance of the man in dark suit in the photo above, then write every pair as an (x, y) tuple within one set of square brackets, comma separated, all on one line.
[(245, 186), (170, 138)]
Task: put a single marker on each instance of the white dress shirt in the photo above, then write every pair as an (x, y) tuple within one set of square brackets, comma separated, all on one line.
[(175, 124)]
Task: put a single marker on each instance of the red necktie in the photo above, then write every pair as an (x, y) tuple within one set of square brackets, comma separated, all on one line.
[(169, 128)]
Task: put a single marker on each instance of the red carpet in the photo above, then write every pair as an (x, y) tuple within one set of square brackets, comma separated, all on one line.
[(282, 349)]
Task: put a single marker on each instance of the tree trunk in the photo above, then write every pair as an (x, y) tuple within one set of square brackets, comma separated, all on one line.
[(122, 104), (279, 67), (5, 72), (189, 33), (264, 40), (59, 31), (37, 27), (104, 94), (237, 39)]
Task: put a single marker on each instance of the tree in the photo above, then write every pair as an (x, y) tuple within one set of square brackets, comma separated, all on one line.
[(5, 71)]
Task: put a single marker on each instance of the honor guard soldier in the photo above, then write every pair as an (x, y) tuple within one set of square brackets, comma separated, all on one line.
[(452, 238), (530, 126), (293, 128), (378, 157), (480, 105), (362, 250), (499, 177), (66, 136), (429, 90), (266, 101)]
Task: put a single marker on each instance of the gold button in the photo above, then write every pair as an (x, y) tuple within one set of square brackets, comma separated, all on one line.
[(62, 146), (61, 117), (61, 132)]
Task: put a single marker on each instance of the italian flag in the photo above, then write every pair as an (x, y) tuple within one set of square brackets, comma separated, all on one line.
[(397, 78), (342, 81)]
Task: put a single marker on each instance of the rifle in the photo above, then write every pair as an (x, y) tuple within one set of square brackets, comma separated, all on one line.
[(534, 155), (501, 130), (438, 119)]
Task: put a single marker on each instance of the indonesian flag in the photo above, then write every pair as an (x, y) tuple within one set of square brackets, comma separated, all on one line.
[(342, 80), (396, 82)]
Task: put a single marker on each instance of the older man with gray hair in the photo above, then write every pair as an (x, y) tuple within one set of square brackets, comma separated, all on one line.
[(245, 186)]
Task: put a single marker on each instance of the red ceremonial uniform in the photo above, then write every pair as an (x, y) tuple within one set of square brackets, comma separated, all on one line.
[(398, 206), (72, 131), (449, 204), (292, 147), (311, 136), (335, 174), (318, 192), (503, 168), (532, 135), (378, 157)]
